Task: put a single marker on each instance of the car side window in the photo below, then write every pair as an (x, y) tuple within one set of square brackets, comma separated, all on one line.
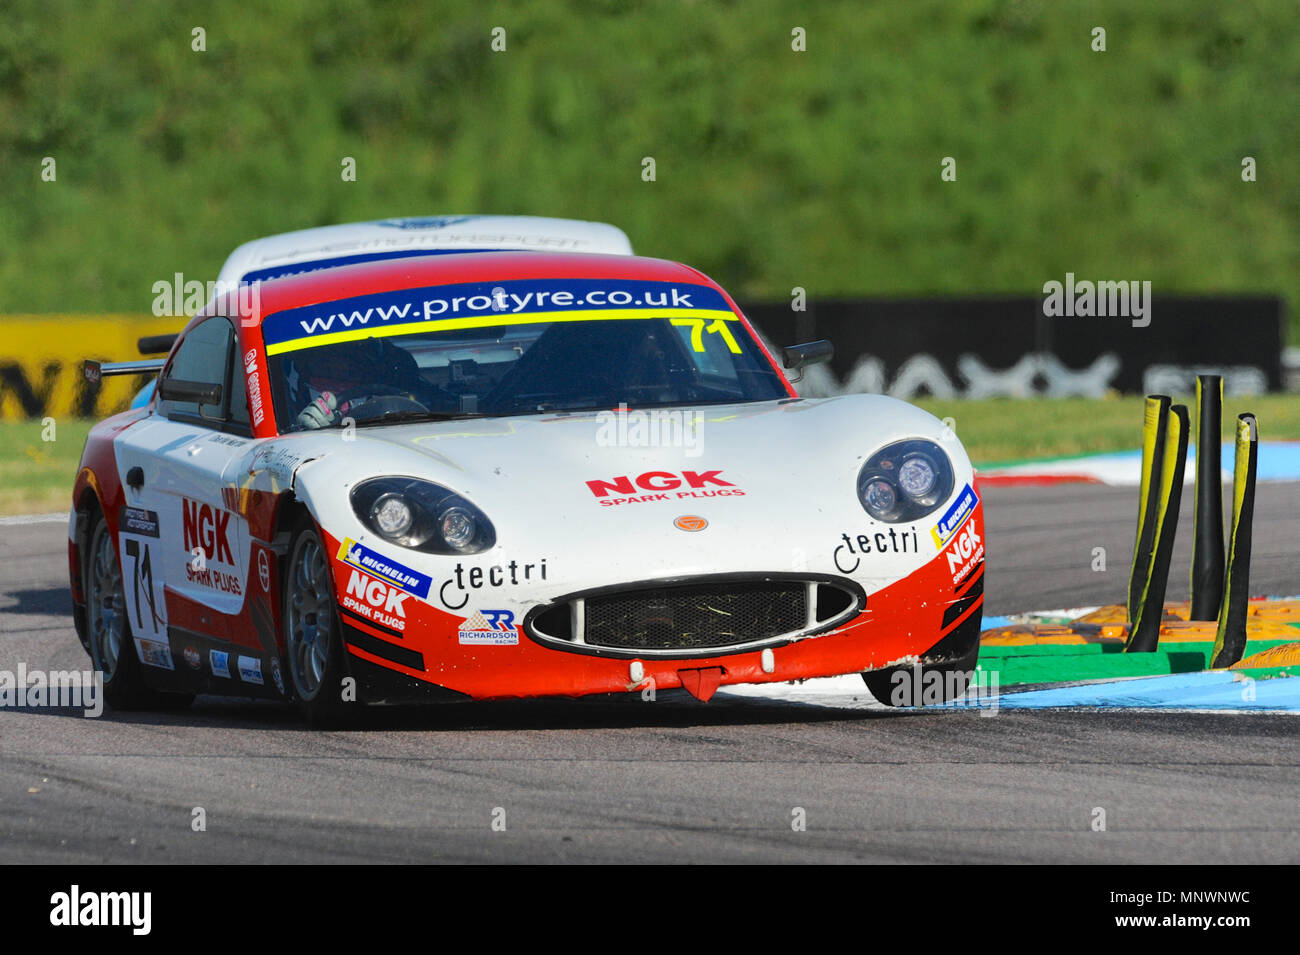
[(203, 356)]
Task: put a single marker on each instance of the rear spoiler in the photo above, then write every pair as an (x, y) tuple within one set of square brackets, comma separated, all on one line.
[(157, 344), (96, 371)]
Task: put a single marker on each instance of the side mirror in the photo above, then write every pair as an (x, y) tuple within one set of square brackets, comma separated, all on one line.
[(795, 357), (190, 392)]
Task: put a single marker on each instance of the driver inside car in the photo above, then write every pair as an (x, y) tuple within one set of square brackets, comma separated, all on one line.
[(331, 381)]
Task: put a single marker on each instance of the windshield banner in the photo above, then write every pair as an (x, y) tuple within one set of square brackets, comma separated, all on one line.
[(486, 305)]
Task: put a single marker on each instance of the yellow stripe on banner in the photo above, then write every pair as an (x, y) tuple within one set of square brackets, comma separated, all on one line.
[(496, 319)]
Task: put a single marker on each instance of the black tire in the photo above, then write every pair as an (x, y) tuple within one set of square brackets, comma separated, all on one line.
[(108, 629), (313, 644), (948, 668)]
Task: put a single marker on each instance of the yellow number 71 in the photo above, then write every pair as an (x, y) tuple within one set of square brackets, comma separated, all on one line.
[(716, 327)]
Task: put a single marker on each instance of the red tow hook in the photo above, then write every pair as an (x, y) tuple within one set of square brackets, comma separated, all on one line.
[(701, 684)]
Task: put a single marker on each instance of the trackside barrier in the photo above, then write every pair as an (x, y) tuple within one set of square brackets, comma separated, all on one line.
[(1164, 499), (1257, 638), (1207, 519), (1154, 424), (1230, 642), (42, 358)]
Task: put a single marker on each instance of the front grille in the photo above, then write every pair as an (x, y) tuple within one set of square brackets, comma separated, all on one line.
[(695, 617)]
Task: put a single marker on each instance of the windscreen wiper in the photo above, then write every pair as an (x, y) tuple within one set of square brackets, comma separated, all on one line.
[(398, 417)]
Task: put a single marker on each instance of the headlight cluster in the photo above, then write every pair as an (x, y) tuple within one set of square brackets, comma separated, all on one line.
[(905, 481), (422, 515)]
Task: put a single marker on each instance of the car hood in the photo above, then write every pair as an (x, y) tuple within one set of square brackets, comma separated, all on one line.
[(775, 481)]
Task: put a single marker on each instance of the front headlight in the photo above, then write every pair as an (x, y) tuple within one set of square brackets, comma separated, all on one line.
[(419, 514), (905, 481)]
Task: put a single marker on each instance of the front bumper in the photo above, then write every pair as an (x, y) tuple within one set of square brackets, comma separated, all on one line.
[(426, 655)]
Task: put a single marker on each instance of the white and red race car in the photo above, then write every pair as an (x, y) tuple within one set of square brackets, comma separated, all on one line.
[(507, 474)]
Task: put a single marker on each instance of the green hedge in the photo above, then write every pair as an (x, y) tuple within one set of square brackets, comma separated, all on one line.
[(774, 168)]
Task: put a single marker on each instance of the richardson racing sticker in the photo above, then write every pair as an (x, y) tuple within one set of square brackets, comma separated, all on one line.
[(493, 628)]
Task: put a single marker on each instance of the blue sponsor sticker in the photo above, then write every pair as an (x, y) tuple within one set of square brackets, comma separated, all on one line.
[(484, 304), (425, 222), (250, 669), (220, 661), (954, 517), (155, 654), (385, 568)]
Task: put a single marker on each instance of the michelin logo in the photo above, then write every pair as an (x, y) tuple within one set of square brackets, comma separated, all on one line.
[(954, 518), (399, 575)]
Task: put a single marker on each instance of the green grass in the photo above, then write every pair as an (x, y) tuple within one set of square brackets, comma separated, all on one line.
[(774, 168), (998, 430), (36, 475)]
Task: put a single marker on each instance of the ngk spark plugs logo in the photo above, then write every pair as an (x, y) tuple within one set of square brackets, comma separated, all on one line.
[(495, 628), (965, 552), (377, 601), (210, 561), (663, 486)]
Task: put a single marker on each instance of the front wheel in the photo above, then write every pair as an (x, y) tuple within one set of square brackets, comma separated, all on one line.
[(942, 674), (312, 641)]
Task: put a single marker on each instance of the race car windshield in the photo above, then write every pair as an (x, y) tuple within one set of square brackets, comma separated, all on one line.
[(427, 372)]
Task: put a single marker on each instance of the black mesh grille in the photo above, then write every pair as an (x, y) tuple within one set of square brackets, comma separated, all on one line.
[(690, 618)]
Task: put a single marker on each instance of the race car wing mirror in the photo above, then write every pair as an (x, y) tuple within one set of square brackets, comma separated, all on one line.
[(795, 357), (189, 392)]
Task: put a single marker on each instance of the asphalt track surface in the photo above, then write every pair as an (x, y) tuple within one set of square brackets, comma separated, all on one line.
[(674, 780)]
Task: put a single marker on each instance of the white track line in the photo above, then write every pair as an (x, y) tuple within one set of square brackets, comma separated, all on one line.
[(20, 519)]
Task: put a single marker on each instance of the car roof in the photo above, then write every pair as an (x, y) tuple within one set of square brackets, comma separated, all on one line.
[(395, 274), (292, 253)]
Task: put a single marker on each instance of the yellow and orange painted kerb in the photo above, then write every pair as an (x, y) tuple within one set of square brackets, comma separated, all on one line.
[(42, 356), (1220, 627), (1092, 646)]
